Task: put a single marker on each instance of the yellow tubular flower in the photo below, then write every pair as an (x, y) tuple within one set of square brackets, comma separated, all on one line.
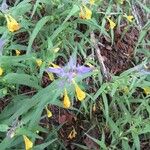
[(72, 134), (90, 65), (129, 18), (39, 62), (17, 52), (51, 76), (12, 24), (85, 13), (146, 90), (80, 94), (88, 13), (1, 71), (49, 113), (54, 65), (28, 143), (92, 2), (82, 13), (66, 101), (111, 23)]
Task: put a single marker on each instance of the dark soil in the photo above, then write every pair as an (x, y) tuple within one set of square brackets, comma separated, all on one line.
[(70, 121), (118, 56)]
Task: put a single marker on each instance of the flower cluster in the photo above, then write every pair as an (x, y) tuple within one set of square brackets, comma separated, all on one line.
[(112, 24), (69, 72)]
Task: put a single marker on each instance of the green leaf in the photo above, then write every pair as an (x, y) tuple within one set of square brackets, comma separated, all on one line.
[(44, 145), (3, 127), (14, 59), (74, 10), (36, 30), (106, 109), (21, 8), (22, 79), (63, 26), (145, 7), (100, 143), (136, 140), (3, 92), (6, 143), (35, 7)]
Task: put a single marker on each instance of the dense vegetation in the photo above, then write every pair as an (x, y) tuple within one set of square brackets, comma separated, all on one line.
[(74, 74)]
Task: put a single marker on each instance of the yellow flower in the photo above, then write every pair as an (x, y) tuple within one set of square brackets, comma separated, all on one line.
[(1, 71), (49, 113), (56, 49), (66, 101), (17, 52), (129, 18), (90, 65), (85, 13), (55, 66), (28, 143), (111, 23), (92, 2), (121, 1), (51, 76), (82, 13), (146, 90), (72, 134), (39, 62), (126, 90), (80, 94), (12, 24)]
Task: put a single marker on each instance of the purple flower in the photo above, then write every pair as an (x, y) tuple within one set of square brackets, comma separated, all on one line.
[(4, 6), (70, 70)]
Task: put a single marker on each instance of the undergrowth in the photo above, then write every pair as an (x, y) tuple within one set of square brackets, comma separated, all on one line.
[(53, 90)]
